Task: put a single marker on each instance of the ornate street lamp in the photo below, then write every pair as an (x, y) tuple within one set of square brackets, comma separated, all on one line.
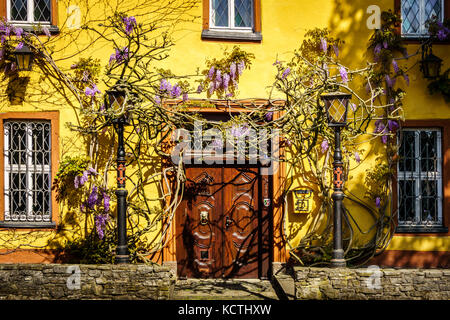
[(24, 58), (116, 101), (336, 104), (430, 64)]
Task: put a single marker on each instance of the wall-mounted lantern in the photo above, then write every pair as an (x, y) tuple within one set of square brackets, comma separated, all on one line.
[(336, 105), (430, 64), (24, 58)]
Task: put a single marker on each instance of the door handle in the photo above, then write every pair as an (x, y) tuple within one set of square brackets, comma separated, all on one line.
[(228, 222)]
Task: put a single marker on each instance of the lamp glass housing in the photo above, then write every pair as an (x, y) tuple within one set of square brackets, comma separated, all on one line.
[(24, 58), (116, 103), (431, 66), (336, 106)]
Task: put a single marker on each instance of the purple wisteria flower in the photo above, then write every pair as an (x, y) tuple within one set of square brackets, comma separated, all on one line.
[(324, 45), (130, 23), (384, 139), (165, 85), (199, 88), (269, 116), (100, 224), (379, 126), (211, 73), (392, 125), (217, 144), (378, 202), (385, 44), (157, 99), (185, 97), (233, 70), (93, 198), (239, 131), (225, 81), (19, 45), (336, 50), (91, 92), (357, 157), (377, 49), (241, 67), (353, 106), (119, 56), (176, 91), (406, 78), (395, 65), (344, 75), (390, 81), (106, 200), (286, 73), (18, 31), (324, 145)]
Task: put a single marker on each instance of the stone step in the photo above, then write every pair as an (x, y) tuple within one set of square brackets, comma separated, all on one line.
[(220, 289)]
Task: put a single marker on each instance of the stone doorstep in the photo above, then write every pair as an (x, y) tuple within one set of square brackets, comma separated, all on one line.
[(219, 289), (285, 285)]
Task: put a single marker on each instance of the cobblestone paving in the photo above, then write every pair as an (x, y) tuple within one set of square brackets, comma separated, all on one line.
[(218, 289)]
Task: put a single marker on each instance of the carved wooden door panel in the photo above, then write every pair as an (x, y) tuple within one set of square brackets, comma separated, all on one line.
[(199, 241), (217, 224), (240, 223)]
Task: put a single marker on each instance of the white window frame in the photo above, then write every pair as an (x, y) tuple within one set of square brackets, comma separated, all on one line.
[(231, 18), (423, 31), (419, 176), (30, 14), (28, 168)]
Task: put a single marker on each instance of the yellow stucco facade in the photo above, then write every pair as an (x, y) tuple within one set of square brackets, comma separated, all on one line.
[(283, 27)]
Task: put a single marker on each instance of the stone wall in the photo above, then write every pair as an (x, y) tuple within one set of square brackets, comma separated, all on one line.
[(372, 283), (61, 281)]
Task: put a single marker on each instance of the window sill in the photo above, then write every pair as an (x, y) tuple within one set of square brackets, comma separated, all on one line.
[(419, 40), (33, 28), (421, 229), (231, 36), (27, 225)]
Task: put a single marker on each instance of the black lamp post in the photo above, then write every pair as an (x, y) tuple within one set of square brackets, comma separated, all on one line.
[(336, 105), (430, 64), (24, 58), (116, 102)]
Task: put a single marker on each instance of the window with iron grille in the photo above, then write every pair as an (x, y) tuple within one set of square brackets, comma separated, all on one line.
[(420, 179), (415, 13), (27, 172), (29, 11), (236, 15)]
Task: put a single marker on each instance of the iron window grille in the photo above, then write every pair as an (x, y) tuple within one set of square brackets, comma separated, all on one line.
[(231, 15), (415, 13), (27, 12), (419, 176), (27, 172)]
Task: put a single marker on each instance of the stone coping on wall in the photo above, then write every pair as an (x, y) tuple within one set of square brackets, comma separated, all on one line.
[(78, 281), (372, 283)]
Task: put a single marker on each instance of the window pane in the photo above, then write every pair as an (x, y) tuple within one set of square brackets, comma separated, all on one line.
[(429, 198), (433, 8), (42, 10), (19, 10), (243, 13), (220, 13), (407, 161), (41, 143), (410, 16), (407, 199), (428, 151)]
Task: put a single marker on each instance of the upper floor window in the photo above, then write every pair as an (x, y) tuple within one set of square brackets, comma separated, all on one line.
[(415, 13), (231, 14), (232, 20), (419, 179), (29, 11)]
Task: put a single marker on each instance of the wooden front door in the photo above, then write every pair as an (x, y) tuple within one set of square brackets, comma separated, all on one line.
[(219, 225)]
